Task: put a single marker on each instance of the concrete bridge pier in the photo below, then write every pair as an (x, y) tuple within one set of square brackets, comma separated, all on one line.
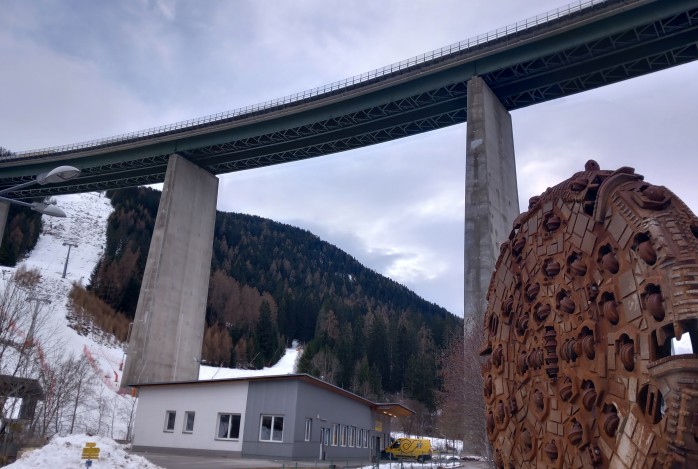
[(491, 194), (168, 329)]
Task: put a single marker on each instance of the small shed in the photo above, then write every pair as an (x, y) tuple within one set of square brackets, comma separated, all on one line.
[(286, 416)]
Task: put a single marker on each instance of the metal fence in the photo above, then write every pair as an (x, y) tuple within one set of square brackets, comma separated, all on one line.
[(363, 78)]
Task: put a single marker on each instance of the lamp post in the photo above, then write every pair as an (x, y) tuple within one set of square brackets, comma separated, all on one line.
[(56, 175), (42, 208), (59, 174), (65, 267)]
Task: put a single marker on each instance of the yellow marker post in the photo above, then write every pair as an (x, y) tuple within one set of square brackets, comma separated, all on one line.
[(90, 452)]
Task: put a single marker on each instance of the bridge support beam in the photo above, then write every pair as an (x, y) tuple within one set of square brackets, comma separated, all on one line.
[(491, 194), (168, 329)]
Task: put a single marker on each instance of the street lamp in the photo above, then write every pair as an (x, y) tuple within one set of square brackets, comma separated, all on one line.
[(44, 209), (59, 174)]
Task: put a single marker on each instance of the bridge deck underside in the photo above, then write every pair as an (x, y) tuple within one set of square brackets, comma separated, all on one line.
[(520, 76)]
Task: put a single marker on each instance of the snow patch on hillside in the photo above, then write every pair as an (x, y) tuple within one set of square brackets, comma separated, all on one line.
[(85, 226), (286, 365)]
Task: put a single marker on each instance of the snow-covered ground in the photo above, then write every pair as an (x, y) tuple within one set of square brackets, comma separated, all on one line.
[(66, 452), (286, 365), (85, 226)]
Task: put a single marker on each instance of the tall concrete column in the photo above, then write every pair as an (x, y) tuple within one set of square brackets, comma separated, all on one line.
[(168, 329), (4, 212), (491, 195)]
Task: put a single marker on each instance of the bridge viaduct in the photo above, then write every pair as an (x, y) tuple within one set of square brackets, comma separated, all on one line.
[(570, 50)]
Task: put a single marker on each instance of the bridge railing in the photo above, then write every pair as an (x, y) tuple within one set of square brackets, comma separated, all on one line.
[(363, 78)]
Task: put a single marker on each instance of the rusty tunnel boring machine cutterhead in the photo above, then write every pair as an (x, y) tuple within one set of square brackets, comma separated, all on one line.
[(597, 280)]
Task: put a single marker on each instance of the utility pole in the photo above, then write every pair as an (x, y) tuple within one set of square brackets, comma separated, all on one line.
[(32, 326), (65, 267)]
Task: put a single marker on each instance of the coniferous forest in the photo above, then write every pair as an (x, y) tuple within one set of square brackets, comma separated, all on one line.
[(21, 234), (272, 283)]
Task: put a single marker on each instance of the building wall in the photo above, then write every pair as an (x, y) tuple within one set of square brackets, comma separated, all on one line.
[(293, 399), (381, 430), (276, 398), (207, 401), (326, 408)]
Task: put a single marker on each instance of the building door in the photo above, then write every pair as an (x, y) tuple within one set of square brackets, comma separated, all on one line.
[(324, 442)]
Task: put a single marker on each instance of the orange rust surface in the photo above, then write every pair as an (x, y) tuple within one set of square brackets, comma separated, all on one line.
[(596, 279)]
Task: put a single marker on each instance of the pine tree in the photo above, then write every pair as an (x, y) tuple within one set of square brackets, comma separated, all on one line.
[(421, 375), (378, 351), (267, 335)]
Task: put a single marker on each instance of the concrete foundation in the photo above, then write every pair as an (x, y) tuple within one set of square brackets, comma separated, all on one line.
[(4, 212), (167, 334), (491, 194)]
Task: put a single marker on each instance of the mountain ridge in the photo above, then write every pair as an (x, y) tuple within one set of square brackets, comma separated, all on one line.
[(272, 283)]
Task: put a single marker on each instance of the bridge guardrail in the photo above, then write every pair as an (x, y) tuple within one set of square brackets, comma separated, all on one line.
[(363, 78)]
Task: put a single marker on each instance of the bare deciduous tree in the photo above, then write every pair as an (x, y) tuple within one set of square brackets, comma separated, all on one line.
[(461, 402), (73, 398), (126, 409), (451, 399), (23, 324)]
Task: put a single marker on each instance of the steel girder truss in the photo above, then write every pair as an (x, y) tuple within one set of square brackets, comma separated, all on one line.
[(121, 174), (381, 123), (634, 52), (652, 47)]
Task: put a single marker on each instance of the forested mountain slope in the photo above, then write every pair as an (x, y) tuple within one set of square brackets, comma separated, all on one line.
[(272, 283)]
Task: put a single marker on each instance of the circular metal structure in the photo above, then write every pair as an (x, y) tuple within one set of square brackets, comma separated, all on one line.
[(597, 279)]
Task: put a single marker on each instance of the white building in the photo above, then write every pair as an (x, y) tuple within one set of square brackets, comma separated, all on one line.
[(286, 416)]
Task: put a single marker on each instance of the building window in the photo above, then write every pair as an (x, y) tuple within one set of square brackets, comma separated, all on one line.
[(326, 437), (170, 417), (343, 437), (352, 436), (228, 427), (366, 438), (335, 434), (308, 429), (359, 437), (188, 422), (272, 428)]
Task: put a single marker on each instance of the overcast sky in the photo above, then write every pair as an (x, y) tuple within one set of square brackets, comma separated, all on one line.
[(80, 70)]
